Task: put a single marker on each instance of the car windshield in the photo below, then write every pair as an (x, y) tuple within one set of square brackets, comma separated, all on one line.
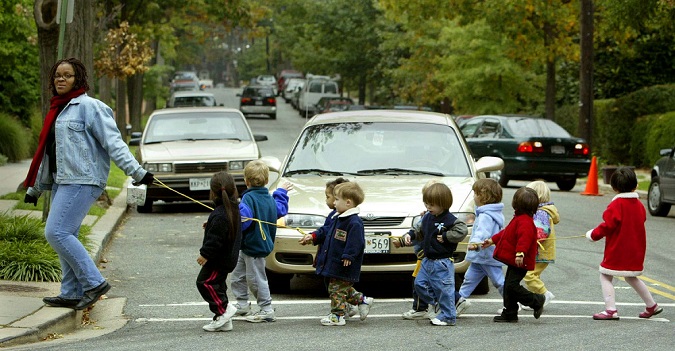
[(185, 101), (379, 148), (261, 92), (538, 127), (196, 126)]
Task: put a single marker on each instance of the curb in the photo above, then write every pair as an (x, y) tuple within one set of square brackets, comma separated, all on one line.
[(48, 321)]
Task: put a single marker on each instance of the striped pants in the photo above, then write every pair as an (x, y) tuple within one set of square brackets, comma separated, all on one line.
[(211, 285)]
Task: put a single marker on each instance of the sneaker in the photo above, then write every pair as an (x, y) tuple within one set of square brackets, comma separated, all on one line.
[(461, 305), (333, 319), (438, 322), (607, 315), (219, 324), (500, 319), (412, 314), (520, 307), (242, 310), (549, 297), (262, 316), (651, 311), (364, 307), (523, 307), (352, 310), (230, 311)]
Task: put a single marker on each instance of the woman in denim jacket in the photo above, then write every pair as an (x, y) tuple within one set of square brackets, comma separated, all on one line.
[(78, 139)]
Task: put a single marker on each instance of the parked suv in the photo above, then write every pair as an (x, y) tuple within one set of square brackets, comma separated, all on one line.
[(314, 90), (258, 100)]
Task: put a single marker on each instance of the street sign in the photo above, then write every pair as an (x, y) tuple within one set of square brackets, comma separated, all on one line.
[(70, 4)]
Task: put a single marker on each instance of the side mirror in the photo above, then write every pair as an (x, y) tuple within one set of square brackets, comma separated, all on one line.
[(238, 94), (259, 137)]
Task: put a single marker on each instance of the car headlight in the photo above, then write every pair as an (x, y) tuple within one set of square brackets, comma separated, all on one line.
[(304, 220), (236, 165), (466, 217), (159, 167)]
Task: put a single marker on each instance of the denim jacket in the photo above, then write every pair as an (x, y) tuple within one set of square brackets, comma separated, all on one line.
[(87, 139)]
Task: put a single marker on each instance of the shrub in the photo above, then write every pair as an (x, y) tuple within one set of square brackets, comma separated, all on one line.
[(3, 160), (14, 140), (640, 132), (661, 135)]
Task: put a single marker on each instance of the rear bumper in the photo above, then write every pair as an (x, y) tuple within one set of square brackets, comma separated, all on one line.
[(546, 168), (246, 109)]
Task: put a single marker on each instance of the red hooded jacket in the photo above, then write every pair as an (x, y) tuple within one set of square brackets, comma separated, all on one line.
[(520, 235)]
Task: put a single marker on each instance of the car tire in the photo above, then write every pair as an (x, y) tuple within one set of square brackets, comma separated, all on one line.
[(273, 115), (655, 203), (278, 282), (146, 207), (566, 184)]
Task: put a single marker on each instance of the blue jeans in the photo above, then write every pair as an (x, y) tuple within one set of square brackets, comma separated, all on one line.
[(476, 273), (435, 284), (70, 204)]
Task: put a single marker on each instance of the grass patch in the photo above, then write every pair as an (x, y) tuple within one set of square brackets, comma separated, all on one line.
[(25, 254)]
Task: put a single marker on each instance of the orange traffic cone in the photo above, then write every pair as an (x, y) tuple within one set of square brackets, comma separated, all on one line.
[(592, 182)]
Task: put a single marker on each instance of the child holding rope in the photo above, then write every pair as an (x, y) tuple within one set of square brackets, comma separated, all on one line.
[(259, 212), (435, 282), (625, 244), (489, 220), (220, 251), (544, 219), (516, 246), (341, 256)]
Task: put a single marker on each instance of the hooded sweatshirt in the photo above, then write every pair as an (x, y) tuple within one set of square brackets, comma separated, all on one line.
[(545, 218), (489, 221)]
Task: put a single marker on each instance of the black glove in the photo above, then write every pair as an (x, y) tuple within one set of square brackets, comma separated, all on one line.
[(29, 199), (147, 179)]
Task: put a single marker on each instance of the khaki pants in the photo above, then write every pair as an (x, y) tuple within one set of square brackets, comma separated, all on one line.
[(533, 278)]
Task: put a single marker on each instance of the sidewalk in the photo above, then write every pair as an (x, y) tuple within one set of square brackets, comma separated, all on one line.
[(23, 317)]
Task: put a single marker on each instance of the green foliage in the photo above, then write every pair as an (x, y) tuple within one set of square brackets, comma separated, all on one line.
[(640, 131), (3, 160), (14, 140), (616, 132), (19, 60), (154, 87), (601, 114), (661, 135)]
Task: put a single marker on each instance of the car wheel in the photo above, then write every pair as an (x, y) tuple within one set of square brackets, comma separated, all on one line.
[(566, 184), (273, 116), (146, 207), (655, 202), (278, 282)]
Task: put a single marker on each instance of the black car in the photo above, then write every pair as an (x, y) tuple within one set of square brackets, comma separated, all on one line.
[(258, 100), (532, 148), (662, 186)]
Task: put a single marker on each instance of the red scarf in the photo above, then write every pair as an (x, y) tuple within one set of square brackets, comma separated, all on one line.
[(58, 103)]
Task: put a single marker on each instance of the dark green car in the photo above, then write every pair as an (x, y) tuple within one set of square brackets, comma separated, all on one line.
[(532, 148)]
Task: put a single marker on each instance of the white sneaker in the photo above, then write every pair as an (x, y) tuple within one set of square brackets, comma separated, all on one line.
[(549, 297), (412, 314), (462, 305), (520, 307), (352, 310), (242, 310), (230, 311), (436, 321), (262, 316), (523, 307), (219, 324), (364, 307), (333, 319)]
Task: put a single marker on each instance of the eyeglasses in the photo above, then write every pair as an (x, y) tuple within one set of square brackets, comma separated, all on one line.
[(65, 76)]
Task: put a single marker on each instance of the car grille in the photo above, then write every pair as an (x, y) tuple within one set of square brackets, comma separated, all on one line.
[(382, 221), (200, 167)]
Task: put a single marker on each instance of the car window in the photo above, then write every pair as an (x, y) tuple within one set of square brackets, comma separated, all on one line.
[(469, 128), (406, 146), (330, 88), (190, 101), (198, 126), (538, 127), (314, 87), (489, 129)]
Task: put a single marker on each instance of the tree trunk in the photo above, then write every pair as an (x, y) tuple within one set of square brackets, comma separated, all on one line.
[(550, 89), (135, 94), (586, 73), (104, 90), (121, 105), (362, 89)]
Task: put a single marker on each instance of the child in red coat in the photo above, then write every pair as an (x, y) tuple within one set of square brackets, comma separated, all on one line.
[(623, 228), (516, 246)]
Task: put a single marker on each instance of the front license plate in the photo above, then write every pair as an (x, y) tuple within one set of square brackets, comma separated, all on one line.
[(200, 184), (377, 243), (557, 149)]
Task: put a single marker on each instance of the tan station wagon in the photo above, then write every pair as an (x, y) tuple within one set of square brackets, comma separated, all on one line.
[(391, 154), (184, 147)]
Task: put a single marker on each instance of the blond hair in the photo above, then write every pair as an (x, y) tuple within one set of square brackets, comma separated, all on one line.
[(350, 191), (543, 191), (256, 173)]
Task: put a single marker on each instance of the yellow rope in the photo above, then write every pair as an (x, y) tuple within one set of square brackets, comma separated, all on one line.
[(244, 219)]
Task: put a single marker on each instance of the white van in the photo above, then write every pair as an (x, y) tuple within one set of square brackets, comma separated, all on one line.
[(314, 90)]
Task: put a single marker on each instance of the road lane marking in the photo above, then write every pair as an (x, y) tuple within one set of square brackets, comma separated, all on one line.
[(396, 316), (657, 283), (652, 289)]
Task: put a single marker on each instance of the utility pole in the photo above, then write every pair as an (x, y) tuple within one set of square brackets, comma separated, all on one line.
[(585, 129)]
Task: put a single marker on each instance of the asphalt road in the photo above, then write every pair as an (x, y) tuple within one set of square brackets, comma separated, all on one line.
[(152, 262)]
